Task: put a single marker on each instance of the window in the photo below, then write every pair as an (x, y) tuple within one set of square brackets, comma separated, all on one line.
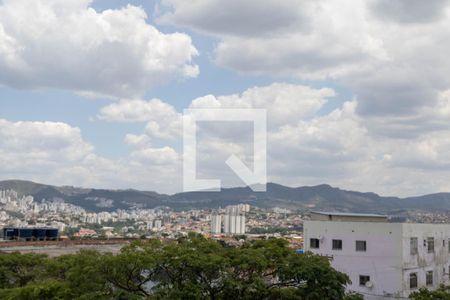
[(363, 279), (430, 243), (337, 245), (314, 243), (448, 244), (413, 280), (361, 246), (429, 278), (413, 246)]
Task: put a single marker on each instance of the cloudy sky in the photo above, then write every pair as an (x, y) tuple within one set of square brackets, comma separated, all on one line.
[(357, 92)]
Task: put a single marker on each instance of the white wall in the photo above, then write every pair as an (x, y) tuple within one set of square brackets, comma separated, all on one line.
[(424, 261), (382, 260)]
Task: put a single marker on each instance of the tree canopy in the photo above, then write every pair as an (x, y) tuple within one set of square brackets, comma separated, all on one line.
[(442, 293), (189, 268)]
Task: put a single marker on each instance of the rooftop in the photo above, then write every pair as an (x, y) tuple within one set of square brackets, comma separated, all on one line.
[(344, 216)]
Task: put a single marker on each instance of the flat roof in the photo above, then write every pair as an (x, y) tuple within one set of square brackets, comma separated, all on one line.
[(344, 214)]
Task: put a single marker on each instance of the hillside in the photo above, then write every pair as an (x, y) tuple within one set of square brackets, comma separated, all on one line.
[(323, 197)]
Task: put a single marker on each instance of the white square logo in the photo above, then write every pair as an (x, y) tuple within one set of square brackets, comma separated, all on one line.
[(255, 179)]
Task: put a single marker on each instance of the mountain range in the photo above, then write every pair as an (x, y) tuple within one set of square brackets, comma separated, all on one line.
[(319, 197)]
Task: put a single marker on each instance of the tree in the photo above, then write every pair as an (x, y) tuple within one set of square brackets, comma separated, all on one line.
[(16, 270), (188, 268), (442, 293)]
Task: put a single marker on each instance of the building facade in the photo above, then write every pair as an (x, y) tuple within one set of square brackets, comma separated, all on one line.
[(216, 224), (233, 220), (383, 260)]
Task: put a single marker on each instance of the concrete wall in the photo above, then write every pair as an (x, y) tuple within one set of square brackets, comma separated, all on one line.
[(382, 260), (438, 261)]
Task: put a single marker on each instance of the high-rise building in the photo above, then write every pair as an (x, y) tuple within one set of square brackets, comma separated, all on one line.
[(158, 224), (234, 220), (226, 223), (216, 224)]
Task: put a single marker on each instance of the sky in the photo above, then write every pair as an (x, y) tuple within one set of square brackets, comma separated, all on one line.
[(357, 92)]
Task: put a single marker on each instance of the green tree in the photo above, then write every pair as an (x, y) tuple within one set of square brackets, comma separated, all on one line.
[(16, 270), (442, 293), (189, 268)]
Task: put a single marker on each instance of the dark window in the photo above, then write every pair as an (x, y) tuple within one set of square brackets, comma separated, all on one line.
[(413, 280), (361, 246), (448, 243), (413, 246), (363, 279), (429, 278), (314, 243), (430, 243), (337, 245)]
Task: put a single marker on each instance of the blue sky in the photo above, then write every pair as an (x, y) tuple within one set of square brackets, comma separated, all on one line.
[(65, 106), (355, 96)]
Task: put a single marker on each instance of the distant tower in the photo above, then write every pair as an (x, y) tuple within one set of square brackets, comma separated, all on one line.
[(234, 220), (226, 223), (216, 224)]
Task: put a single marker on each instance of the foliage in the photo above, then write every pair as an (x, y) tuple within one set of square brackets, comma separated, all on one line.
[(190, 268), (442, 293)]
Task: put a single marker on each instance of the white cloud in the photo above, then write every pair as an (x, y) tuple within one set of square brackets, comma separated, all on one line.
[(393, 59), (234, 17), (305, 146), (158, 156), (136, 111), (55, 153), (321, 38), (409, 11), (137, 140), (163, 121), (69, 45), (285, 103), (37, 144)]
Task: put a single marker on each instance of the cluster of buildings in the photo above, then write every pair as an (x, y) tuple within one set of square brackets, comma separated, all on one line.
[(233, 220), (69, 219), (384, 259), (72, 220)]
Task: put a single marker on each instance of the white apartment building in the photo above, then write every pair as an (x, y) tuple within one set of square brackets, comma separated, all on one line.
[(216, 224), (233, 220), (383, 260), (234, 224)]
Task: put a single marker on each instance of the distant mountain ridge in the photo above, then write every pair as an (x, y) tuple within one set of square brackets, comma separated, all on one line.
[(319, 197)]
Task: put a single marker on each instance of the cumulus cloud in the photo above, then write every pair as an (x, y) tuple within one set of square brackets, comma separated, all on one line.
[(390, 54), (235, 17), (285, 103), (319, 41), (56, 153), (409, 11), (158, 156), (137, 140), (69, 45), (305, 146), (163, 121), (38, 144), (136, 111)]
